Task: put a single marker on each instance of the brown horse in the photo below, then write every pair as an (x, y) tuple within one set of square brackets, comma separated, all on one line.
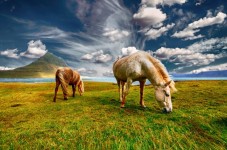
[(66, 76), (139, 67)]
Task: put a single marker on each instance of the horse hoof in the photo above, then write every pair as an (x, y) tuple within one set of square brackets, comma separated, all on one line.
[(122, 106), (143, 106), (65, 98)]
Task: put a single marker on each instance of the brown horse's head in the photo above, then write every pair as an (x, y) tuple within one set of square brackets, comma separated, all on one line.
[(81, 87)]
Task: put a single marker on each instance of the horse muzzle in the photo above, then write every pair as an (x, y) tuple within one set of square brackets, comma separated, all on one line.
[(167, 110)]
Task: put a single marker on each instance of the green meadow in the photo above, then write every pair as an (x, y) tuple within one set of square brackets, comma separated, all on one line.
[(30, 120)]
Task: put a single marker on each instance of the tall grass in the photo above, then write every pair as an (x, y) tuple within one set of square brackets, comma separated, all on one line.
[(30, 120)]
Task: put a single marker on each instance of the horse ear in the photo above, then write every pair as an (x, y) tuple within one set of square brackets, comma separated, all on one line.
[(168, 83)]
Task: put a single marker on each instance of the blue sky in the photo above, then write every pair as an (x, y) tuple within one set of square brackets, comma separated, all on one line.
[(186, 35)]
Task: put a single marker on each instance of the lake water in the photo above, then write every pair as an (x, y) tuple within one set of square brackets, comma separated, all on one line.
[(96, 79)]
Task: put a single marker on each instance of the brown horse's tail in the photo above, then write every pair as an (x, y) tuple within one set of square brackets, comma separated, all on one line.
[(60, 77), (80, 86)]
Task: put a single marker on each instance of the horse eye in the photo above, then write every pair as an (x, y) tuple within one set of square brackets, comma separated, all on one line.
[(166, 94)]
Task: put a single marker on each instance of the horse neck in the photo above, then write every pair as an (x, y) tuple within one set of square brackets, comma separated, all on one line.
[(154, 76), (160, 74), (156, 80)]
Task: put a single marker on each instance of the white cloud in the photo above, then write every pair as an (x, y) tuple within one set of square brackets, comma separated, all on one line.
[(91, 55), (208, 21), (185, 33), (155, 33), (209, 45), (162, 2), (149, 16), (49, 33), (185, 56), (197, 54), (115, 34), (36, 49), (86, 71), (211, 68), (108, 73), (189, 32), (5, 68), (199, 2), (128, 51), (103, 58), (11, 53), (97, 56), (194, 37)]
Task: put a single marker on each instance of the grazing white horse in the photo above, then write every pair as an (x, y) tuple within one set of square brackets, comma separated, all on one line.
[(139, 67)]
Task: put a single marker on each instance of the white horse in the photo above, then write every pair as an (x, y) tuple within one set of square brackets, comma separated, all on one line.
[(139, 67)]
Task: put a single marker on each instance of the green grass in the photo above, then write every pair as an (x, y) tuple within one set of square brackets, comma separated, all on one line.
[(30, 120)]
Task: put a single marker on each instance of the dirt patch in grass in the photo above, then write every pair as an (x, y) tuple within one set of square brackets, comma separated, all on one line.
[(16, 105)]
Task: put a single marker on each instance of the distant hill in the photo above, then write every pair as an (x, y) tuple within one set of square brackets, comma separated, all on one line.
[(211, 74), (43, 67)]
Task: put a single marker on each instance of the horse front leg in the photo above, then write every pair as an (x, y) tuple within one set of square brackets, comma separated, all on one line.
[(125, 92), (56, 91), (142, 83), (74, 89)]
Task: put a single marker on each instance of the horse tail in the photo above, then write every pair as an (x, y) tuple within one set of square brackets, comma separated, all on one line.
[(60, 77), (81, 86)]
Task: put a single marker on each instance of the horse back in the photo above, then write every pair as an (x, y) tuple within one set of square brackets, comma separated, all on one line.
[(64, 74), (133, 66)]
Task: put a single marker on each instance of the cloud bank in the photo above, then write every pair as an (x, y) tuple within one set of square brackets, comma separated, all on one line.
[(189, 32), (211, 68), (198, 54), (36, 49)]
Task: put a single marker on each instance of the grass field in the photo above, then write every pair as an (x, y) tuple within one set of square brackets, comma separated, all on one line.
[(30, 120)]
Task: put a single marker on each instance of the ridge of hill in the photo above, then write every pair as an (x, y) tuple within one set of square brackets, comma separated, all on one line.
[(44, 67)]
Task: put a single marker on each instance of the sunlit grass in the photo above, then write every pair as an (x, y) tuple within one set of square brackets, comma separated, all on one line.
[(30, 120)]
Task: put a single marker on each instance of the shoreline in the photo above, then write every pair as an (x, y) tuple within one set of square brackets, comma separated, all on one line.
[(99, 79)]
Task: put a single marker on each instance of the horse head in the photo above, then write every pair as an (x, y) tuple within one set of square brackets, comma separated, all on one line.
[(163, 96), (81, 87)]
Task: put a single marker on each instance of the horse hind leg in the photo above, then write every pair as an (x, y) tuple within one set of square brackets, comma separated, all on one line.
[(56, 91), (74, 90), (65, 92), (142, 83), (125, 92)]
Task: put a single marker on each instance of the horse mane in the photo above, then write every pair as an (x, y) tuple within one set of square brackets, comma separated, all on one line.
[(162, 71)]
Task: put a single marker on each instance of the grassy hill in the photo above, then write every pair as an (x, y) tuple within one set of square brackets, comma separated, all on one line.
[(30, 120), (45, 66)]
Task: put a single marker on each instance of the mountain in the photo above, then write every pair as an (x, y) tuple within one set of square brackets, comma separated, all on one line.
[(43, 67), (208, 74)]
